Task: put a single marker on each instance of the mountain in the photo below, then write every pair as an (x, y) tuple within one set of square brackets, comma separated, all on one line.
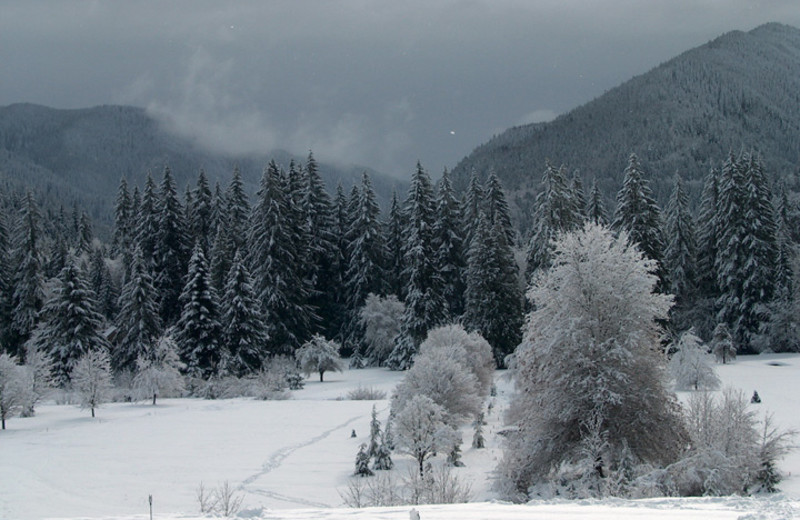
[(738, 92), (80, 155)]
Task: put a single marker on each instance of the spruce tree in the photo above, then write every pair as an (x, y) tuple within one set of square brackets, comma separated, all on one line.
[(170, 251), (471, 208), (497, 207), (27, 296), (72, 327), (201, 213), (244, 334), (198, 331), (138, 319), (449, 246), (123, 219), (638, 214), (595, 207), (394, 238), (148, 219), (681, 250), (6, 284), (273, 263)]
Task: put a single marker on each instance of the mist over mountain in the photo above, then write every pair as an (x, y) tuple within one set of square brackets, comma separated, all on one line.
[(80, 155), (738, 92)]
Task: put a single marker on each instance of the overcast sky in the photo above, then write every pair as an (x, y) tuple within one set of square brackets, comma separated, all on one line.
[(376, 83)]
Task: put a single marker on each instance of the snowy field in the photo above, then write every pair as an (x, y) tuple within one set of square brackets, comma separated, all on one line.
[(290, 459)]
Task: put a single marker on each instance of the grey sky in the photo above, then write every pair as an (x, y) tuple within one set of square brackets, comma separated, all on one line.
[(381, 84)]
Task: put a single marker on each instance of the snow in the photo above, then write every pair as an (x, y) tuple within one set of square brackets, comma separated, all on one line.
[(290, 458)]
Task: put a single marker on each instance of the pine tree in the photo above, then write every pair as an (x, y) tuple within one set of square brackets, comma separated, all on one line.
[(170, 251), (471, 208), (273, 263), (27, 296), (244, 334), (85, 234), (123, 219), (556, 212), (478, 440), (638, 214), (595, 206), (138, 319), (72, 327), (681, 250), (6, 284), (708, 230), (366, 256), (148, 219), (497, 208), (374, 433), (237, 212), (362, 462), (449, 246), (394, 238), (198, 331), (201, 210)]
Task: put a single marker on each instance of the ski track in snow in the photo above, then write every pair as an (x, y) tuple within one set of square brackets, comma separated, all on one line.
[(276, 459)]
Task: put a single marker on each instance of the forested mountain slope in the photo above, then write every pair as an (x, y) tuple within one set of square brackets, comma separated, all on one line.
[(738, 92), (80, 155)]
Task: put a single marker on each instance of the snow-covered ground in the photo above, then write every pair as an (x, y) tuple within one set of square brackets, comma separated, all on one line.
[(290, 459)]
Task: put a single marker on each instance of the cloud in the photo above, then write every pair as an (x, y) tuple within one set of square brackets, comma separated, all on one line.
[(542, 115)]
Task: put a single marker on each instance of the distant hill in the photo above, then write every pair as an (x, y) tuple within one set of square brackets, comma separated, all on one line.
[(80, 155), (739, 91)]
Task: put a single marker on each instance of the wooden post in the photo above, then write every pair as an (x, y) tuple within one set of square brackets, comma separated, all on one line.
[(150, 499)]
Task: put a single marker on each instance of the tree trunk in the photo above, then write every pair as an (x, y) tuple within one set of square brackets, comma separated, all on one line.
[(154, 398), (92, 411), (320, 375), (3, 419), (421, 460)]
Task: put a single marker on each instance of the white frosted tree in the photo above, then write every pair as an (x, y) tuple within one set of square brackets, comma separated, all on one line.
[(91, 379), (421, 431), (12, 388), (589, 366), (470, 350), (381, 318), (158, 371), (319, 355), (690, 366)]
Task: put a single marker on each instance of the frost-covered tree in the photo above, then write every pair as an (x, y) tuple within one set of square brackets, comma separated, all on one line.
[(595, 206), (590, 362), (138, 319), (198, 331), (91, 379), (244, 335), (374, 433), (158, 370), (319, 355), (124, 224), (450, 384), (722, 345), (381, 318), (690, 365), (383, 457), (38, 375), (478, 440), (420, 430), (12, 388), (639, 216), (362, 462), (71, 325), (468, 349)]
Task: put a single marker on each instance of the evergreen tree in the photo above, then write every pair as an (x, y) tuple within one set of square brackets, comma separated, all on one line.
[(638, 214), (595, 207), (123, 219), (27, 296), (170, 251), (6, 284), (198, 331), (85, 234), (237, 212), (556, 212), (138, 320), (72, 327), (394, 239), (497, 208), (579, 202), (426, 306), (201, 213), (449, 246), (680, 253), (708, 230), (148, 219), (273, 261), (362, 462), (366, 256), (244, 334), (374, 433), (471, 208)]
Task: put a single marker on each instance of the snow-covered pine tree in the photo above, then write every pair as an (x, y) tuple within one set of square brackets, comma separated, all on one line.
[(555, 212), (321, 269), (471, 207), (362, 462), (273, 265), (219, 209), (85, 234), (497, 207), (595, 206), (590, 362), (6, 283), (138, 320), (198, 331), (237, 213), (27, 296), (91, 379), (374, 433), (426, 306), (147, 219), (383, 457), (201, 211), (638, 214), (394, 238), (366, 255), (478, 440), (244, 334), (722, 345), (71, 324), (170, 251), (680, 253), (579, 201), (123, 219), (449, 246)]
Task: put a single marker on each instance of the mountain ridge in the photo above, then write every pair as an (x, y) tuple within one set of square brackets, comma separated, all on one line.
[(739, 91)]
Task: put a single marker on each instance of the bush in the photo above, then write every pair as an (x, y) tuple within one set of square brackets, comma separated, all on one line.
[(365, 393), (439, 485)]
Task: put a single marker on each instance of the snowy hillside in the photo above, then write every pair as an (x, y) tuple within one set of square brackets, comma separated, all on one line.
[(290, 459)]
